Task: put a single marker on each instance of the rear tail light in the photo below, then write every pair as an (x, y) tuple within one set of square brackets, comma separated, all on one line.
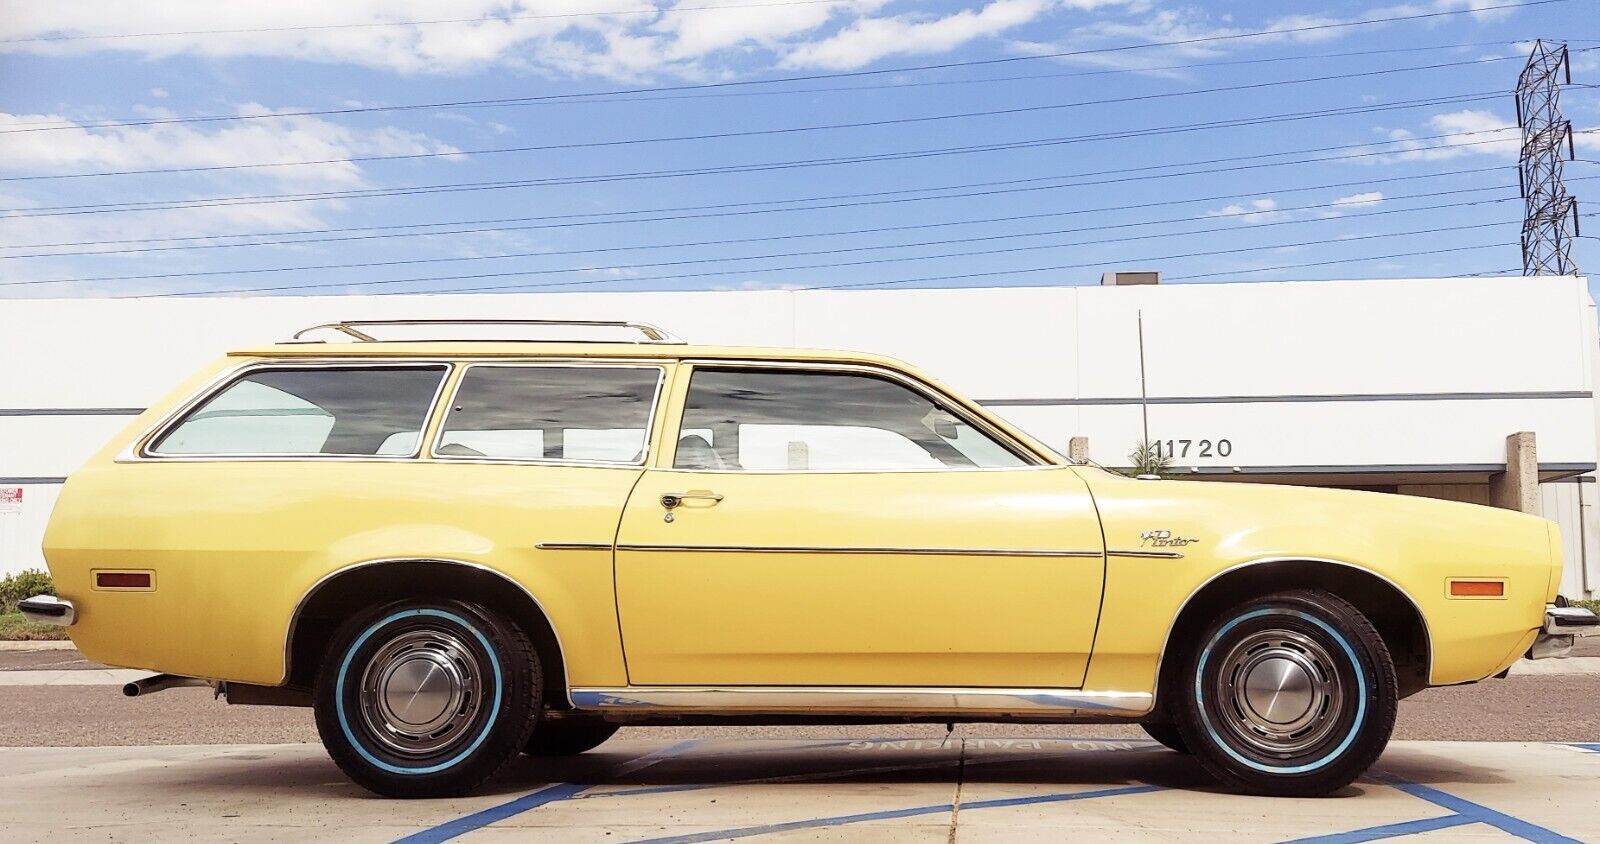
[(122, 580)]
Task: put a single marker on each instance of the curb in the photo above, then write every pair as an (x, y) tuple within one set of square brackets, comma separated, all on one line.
[(41, 645), (1549, 667)]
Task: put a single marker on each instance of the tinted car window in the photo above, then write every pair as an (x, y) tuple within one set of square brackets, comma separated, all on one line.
[(364, 411), (587, 413), (778, 420)]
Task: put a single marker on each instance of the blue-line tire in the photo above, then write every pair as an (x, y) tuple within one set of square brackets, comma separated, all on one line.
[(1290, 694), (568, 736), (426, 698)]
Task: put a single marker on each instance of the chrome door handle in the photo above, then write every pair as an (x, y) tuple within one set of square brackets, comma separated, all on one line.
[(670, 500)]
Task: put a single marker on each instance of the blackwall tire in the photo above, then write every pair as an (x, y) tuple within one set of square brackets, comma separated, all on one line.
[(568, 736), (1165, 733), (426, 698), (1291, 694)]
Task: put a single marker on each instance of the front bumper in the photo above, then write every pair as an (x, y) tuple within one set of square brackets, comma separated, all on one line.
[(48, 609), (1562, 626)]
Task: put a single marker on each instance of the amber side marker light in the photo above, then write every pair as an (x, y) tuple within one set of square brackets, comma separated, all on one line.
[(1477, 589), (122, 579)]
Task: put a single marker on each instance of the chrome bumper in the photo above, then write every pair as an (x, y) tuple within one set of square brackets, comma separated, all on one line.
[(48, 609), (1562, 626)]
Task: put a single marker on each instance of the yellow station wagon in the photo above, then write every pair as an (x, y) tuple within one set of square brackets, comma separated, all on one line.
[(458, 550)]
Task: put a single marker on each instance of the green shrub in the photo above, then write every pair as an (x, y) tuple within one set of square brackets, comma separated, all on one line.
[(24, 584)]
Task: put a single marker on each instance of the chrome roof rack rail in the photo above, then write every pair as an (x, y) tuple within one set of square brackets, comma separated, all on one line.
[(354, 329)]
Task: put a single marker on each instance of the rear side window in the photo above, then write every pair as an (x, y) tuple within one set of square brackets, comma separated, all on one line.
[(595, 414), (304, 411)]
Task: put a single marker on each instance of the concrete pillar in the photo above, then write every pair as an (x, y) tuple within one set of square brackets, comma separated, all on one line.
[(1517, 488), (1078, 448)]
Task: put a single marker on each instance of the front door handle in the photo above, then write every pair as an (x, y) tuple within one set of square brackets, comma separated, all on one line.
[(671, 500)]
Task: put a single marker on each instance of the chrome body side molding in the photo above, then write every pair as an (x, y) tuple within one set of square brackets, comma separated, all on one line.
[(1133, 552), (1035, 704), (573, 546), (830, 549)]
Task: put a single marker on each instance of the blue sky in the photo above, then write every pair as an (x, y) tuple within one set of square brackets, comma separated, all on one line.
[(1055, 205)]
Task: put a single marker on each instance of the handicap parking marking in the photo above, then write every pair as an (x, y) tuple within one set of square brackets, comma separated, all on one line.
[(533, 800)]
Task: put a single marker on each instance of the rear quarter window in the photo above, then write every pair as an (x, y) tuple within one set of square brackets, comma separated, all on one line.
[(309, 411)]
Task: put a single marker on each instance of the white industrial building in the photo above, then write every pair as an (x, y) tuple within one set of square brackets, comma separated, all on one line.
[(1411, 387)]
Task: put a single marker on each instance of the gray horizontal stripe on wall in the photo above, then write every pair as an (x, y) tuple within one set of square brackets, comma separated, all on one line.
[(32, 481), (71, 411), (1332, 397), (1368, 469)]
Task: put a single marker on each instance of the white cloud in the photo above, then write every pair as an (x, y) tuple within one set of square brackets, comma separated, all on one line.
[(290, 138), (872, 38), (1255, 211), (682, 37), (1473, 131), (1358, 200)]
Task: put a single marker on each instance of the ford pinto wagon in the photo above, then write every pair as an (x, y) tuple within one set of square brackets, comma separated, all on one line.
[(458, 550)]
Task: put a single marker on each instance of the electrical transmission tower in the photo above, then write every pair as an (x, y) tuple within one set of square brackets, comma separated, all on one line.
[(1550, 218)]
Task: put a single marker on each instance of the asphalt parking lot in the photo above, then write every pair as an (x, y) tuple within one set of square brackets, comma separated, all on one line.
[(1510, 759)]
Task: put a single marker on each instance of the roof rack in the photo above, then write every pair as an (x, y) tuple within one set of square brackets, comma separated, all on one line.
[(354, 329)]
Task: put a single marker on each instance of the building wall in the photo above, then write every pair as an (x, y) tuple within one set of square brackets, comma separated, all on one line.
[(1410, 384)]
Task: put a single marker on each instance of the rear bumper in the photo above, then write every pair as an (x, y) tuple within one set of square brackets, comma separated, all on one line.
[(1562, 626), (48, 609)]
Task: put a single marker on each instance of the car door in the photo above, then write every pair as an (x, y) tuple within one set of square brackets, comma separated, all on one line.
[(844, 526)]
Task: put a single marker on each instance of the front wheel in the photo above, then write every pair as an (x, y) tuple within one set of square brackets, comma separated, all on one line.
[(426, 698), (1291, 694)]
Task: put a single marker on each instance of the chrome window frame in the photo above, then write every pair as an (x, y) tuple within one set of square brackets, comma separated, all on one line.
[(142, 451), (650, 427), (1018, 449)]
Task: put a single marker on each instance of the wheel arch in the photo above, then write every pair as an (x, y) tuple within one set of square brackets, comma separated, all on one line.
[(318, 612), (1394, 612)]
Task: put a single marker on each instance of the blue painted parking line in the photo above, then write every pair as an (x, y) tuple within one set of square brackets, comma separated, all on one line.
[(528, 802), (1463, 812), (1392, 830), (893, 814)]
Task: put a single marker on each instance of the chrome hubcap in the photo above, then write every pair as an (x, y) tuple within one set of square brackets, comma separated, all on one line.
[(1280, 691), (420, 691)]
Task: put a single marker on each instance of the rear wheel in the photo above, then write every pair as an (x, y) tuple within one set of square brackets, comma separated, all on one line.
[(1291, 694), (426, 699), (1165, 733), (568, 736)]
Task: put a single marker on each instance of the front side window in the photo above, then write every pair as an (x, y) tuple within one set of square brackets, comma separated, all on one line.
[(303, 411), (782, 420), (581, 413)]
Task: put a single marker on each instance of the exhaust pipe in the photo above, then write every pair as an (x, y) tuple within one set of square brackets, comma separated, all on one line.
[(160, 682)]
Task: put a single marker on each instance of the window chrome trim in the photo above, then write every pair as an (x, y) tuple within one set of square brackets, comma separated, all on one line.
[(863, 700), (140, 451), (574, 363), (944, 401), (831, 549), (305, 598)]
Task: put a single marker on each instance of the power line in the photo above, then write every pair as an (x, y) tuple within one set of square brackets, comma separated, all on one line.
[(610, 217), (1327, 263), (414, 156), (1103, 209), (772, 238), (1147, 259), (1276, 32), (762, 270), (265, 199)]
